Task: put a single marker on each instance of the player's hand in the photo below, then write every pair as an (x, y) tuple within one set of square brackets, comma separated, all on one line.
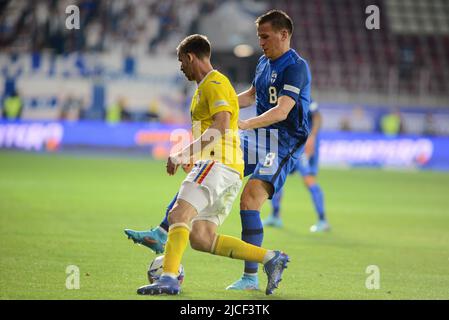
[(173, 163), (309, 148), (243, 124)]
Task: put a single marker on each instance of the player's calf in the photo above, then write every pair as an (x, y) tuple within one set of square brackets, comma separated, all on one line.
[(202, 236)]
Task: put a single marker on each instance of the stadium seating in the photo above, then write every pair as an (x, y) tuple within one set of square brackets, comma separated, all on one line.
[(410, 51), (404, 63)]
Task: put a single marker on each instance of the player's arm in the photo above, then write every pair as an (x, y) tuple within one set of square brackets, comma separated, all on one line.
[(317, 121), (212, 135), (247, 98), (296, 77), (276, 114)]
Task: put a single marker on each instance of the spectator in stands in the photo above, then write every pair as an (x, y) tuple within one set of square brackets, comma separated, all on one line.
[(356, 120), (168, 22), (406, 61), (153, 111), (430, 127), (391, 123), (71, 108), (117, 112), (345, 124), (12, 106)]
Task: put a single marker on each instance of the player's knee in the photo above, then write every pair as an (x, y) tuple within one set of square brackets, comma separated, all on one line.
[(245, 202), (176, 216), (200, 241), (254, 194), (309, 181), (250, 201)]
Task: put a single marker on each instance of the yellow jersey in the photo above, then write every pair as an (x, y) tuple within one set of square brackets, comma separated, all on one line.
[(216, 94)]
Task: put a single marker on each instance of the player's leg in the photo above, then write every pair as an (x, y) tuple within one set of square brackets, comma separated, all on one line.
[(317, 196), (252, 227), (316, 192), (204, 237), (255, 193), (268, 177), (274, 261), (274, 219), (154, 238), (308, 168), (194, 197), (178, 237)]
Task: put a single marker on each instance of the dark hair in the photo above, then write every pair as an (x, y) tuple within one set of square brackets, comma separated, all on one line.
[(279, 20), (197, 44)]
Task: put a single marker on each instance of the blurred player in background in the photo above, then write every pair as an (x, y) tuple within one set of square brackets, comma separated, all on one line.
[(206, 195), (281, 91), (307, 167)]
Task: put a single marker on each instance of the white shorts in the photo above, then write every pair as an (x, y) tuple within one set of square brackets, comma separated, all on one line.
[(211, 187)]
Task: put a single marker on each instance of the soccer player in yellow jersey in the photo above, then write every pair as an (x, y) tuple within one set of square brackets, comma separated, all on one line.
[(206, 195)]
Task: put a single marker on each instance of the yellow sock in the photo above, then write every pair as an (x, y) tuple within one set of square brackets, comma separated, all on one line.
[(177, 239), (232, 247)]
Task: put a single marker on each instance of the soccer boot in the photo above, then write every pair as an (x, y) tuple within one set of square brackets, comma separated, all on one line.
[(320, 226), (246, 282), (274, 269), (273, 221), (154, 238), (165, 285)]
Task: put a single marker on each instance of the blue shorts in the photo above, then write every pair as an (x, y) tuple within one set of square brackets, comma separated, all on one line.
[(269, 158), (308, 166)]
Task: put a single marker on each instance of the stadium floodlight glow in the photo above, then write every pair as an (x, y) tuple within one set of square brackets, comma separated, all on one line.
[(243, 50)]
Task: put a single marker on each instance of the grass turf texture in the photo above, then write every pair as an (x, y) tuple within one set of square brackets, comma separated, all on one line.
[(58, 210)]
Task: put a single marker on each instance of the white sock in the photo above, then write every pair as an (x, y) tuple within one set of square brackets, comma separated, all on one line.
[(268, 256), (250, 274)]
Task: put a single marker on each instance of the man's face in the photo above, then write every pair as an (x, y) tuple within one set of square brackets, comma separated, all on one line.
[(270, 40), (186, 66)]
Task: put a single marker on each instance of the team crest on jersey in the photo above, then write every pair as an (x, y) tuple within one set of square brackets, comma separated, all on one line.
[(274, 75)]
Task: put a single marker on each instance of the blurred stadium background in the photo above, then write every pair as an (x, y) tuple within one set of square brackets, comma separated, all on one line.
[(121, 67), (113, 86)]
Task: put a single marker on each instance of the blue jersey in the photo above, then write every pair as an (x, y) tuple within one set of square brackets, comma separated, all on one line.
[(313, 107), (288, 75), (309, 166)]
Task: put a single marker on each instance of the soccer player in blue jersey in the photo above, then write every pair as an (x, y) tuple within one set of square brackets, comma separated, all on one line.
[(281, 91), (307, 167)]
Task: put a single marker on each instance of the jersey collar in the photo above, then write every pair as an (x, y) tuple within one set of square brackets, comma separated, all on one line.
[(206, 76), (281, 57)]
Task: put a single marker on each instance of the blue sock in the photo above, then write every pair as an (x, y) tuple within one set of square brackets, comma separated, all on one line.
[(276, 203), (164, 224), (252, 232), (318, 201)]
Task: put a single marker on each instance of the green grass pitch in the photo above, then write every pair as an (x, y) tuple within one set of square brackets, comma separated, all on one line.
[(58, 210)]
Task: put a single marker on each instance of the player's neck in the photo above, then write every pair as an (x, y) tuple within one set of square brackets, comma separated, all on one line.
[(281, 52), (203, 70)]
